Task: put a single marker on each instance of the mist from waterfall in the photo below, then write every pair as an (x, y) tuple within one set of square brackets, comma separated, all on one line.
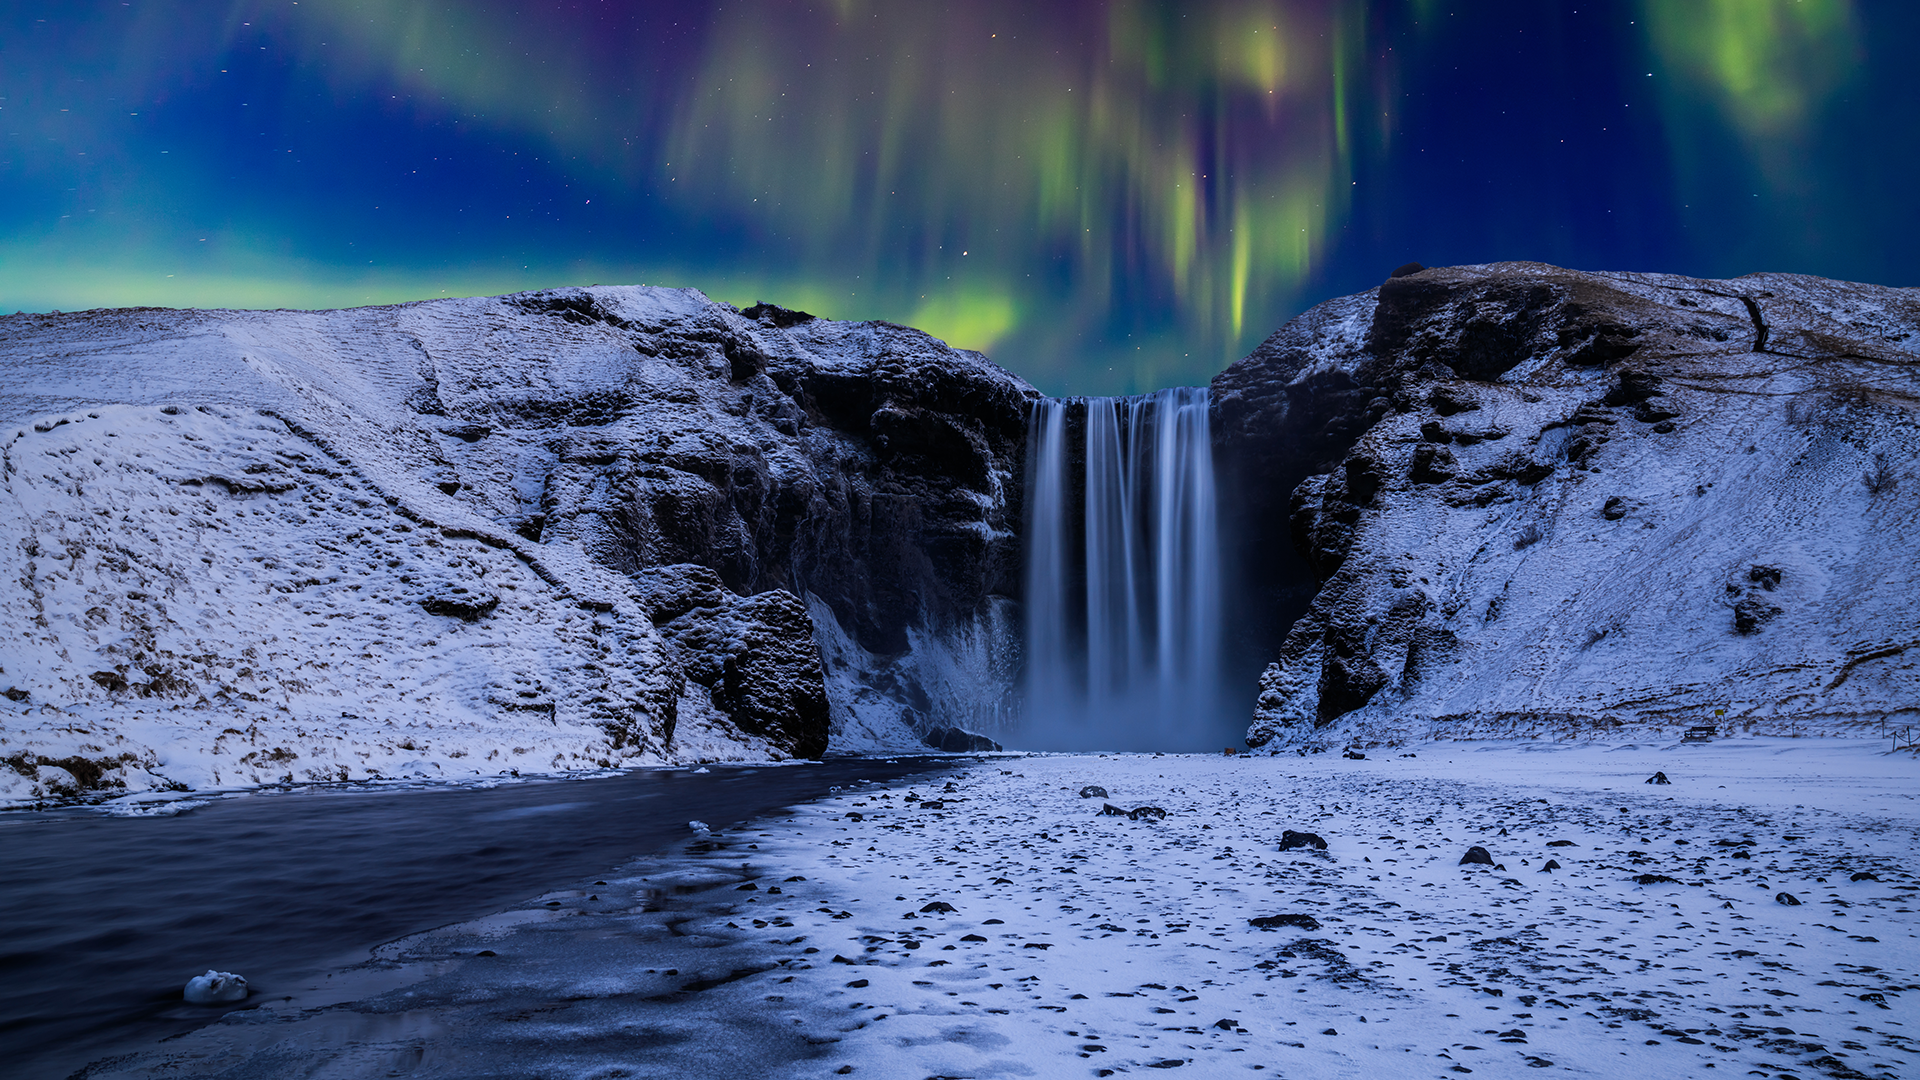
[(1123, 601)]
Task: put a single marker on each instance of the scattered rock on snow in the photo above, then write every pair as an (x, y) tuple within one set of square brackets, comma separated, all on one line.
[(1149, 813), (1476, 856), (1787, 899), (1658, 778), (1093, 791)]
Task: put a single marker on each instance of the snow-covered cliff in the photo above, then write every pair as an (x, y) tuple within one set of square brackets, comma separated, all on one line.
[(554, 531), (1544, 501)]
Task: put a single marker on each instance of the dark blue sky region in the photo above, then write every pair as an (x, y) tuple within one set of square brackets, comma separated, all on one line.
[(1104, 196)]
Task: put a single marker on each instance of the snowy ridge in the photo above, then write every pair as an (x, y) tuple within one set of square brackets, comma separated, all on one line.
[(256, 547)]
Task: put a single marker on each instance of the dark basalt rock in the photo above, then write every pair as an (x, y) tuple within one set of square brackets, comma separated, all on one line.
[(1290, 840), (1658, 778), (1549, 866), (1787, 899), (1274, 922), (1147, 813), (1110, 810), (1093, 791), (955, 740), (1751, 613), (755, 654), (1864, 875), (467, 607), (1477, 856)]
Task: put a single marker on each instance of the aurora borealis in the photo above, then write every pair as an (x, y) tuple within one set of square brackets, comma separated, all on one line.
[(1104, 196)]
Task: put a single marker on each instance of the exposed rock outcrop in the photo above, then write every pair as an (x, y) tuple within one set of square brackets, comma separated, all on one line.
[(1538, 500), (557, 530)]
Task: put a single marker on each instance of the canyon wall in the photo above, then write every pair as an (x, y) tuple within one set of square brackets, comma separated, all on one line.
[(553, 531)]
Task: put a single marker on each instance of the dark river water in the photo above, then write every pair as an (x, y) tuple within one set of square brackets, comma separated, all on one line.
[(104, 919)]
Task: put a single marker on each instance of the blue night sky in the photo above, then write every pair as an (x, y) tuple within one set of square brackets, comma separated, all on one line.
[(1104, 196)]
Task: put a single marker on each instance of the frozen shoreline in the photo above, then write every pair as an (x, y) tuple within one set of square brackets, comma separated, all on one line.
[(1123, 945)]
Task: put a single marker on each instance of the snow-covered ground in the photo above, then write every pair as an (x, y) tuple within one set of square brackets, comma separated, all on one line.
[(1082, 944)]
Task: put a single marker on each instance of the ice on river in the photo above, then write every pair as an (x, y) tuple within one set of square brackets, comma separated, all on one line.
[(1082, 944)]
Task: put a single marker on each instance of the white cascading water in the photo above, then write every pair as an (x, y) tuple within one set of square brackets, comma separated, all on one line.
[(1123, 576)]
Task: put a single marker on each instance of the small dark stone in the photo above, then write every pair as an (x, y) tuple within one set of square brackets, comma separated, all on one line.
[(1225, 1025), (111, 681), (1354, 755), (1656, 879), (14, 693), (1093, 791), (855, 815), (938, 907), (973, 937), (1152, 813), (1274, 922), (843, 1070), (1290, 840), (1476, 856), (1330, 1031), (1561, 843), (1616, 508), (1658, 778), (933, 804), (748, 887), (1865, 875), (1405, 269), (1787, 899), (1550, 865), (1875, 999), (838, 959), (856, 984), (1110, 810)]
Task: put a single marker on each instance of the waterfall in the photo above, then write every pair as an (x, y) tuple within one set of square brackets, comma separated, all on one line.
[(1123, 601)]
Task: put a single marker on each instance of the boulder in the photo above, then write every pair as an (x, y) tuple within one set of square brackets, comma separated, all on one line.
[(1290, 840)]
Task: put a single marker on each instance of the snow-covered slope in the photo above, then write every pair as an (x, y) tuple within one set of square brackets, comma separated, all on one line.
[(457, 537), (1539, 500)]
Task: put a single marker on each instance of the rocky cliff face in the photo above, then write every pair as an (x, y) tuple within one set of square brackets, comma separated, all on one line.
[(1542, 501), (557, 530)]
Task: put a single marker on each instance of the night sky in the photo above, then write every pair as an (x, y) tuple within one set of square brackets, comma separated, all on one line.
[(1105, 197)]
